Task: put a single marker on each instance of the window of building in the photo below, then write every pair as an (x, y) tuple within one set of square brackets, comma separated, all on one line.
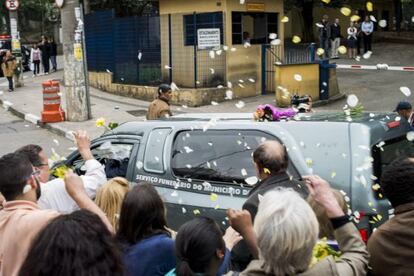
[(253, 27), (224, 156), (154, 151), (208, 20)]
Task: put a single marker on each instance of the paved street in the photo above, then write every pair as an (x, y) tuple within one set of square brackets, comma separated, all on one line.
[(15, 132)]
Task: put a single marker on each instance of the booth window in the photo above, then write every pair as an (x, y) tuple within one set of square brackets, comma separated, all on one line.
[(210, 20), (253, 27)]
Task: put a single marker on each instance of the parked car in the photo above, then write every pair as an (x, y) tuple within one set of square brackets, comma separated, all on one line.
[(202, 163)]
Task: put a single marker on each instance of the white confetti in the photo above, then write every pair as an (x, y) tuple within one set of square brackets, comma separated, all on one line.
[(412, 19), (373, 19), (140, 165), (247, 45), (272, 36), (225, 48), (212, 54), (167, 67), (242, 2), (214, 103), (240, 104), (410, 136), (352, 100), (184, 106), (367, 55), (157, 158), (252, 80), (212, 71), (229, 95), (188, 149), (220, 86), (188, 166), (233, 49), (229, 85), (297, 77), (406, 91), (244, 172), (1, 92), (219, 52), (107, 70), (183, 210), (275, 42), (174, 87), (260, 197), (56, 142), (139, 55), (174, 194), (251, 180), (382, 23), (319, 25)]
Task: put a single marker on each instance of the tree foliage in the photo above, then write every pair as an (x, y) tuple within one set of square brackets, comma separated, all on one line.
[(126, 7)]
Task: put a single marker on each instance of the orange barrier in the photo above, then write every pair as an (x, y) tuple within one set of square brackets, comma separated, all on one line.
[(52, 110)]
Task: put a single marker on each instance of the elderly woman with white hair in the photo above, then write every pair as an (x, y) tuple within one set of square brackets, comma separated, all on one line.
[(286, 230)]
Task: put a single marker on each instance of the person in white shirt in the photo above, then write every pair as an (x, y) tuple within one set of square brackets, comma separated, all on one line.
[(352, 40), (53, 193), (367, 29), (35, 57)]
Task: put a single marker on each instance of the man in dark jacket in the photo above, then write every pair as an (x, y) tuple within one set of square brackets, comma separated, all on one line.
[(271, 161), (45, 49), (391, 246), (335, 38)]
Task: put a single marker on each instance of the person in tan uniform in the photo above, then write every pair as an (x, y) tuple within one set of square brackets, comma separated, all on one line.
[(160, 108), (8, 66)]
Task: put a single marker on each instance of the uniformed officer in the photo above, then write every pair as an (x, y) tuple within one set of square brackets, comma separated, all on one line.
[(160, 108)]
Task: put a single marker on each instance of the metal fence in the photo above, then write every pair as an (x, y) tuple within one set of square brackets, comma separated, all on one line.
[(129, 47)]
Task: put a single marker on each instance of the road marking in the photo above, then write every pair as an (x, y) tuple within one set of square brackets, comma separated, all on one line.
[(32, 118)]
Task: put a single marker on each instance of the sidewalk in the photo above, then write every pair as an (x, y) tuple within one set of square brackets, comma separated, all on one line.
[(27, 103)]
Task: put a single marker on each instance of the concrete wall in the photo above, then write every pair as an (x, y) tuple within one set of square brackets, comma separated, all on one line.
[(186, 96), (285, 78)]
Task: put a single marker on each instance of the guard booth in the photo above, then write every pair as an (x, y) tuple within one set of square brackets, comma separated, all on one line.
[(211, 46)]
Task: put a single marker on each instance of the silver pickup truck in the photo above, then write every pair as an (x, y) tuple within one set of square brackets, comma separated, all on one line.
[(201, 164)]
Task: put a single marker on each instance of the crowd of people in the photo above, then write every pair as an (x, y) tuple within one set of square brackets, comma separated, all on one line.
[(86, 225), (42, 54), (359, 34)]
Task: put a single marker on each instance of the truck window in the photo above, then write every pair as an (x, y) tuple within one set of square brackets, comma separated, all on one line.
[(217, 155), (154, 151), (390, 151)]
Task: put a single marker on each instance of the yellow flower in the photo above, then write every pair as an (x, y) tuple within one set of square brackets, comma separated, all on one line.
[(213, 197), (100, 122), (60, 171), (296, 39)]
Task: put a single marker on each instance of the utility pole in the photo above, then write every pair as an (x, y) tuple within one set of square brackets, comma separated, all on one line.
[(12, 6), (75, 73)]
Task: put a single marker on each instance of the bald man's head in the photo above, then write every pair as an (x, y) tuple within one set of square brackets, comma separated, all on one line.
[(271, 156)]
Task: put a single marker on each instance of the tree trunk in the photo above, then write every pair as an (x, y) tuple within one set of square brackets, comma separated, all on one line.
[(307, 15), (74, 73)]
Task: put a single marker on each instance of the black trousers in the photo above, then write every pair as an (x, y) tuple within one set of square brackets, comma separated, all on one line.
[(36, 65), (46, 64), (10, 79), (367, 42)]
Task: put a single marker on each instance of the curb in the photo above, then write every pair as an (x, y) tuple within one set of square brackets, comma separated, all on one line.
[(31, 118)]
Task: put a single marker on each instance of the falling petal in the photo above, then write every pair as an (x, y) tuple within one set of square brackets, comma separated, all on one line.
[(370, 6), (266, 171), (376, 187), (225, 48), (196, 212), (140, 165), (285, 19), (247, 45), (333, 174), (219, 52), (167, 67), (188, 149), (212, 70), (346, 11), (372, 18), (212, 54), (382, 23), (342, 50), (244, 172), (355, 18), (139, 55), (260, 197), (107, 70), (309, 162), (352, 100), (174, 87), (183, 210), (174, 194), (56, 142), (233, 49), (296, 39), (406, 91), (213, 197), (229, 85), (184, 106), (297, 77), (214, 103), (252, 80), (320, 51), (251, 180), (272, 36), (240, 104), (410, 136)]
